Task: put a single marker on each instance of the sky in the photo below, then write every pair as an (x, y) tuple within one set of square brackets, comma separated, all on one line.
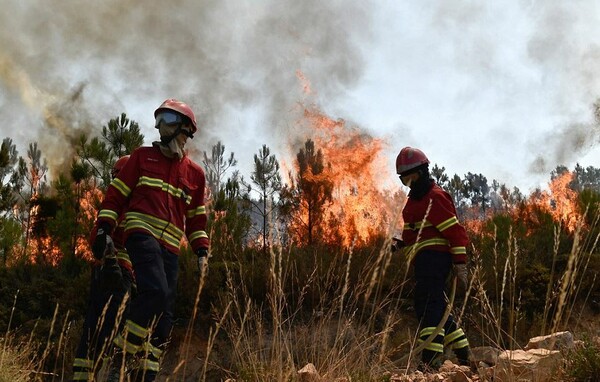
[(505, 89)]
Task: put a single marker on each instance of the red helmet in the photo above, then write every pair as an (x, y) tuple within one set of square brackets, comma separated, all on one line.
[(181, 108), (409, 159), (119, 164)]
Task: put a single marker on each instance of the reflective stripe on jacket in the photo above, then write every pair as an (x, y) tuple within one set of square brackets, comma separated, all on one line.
[(164, 197), (430, 222)]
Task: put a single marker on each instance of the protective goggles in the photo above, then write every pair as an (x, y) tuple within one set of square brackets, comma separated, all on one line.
[(172, 119), (169, 118)]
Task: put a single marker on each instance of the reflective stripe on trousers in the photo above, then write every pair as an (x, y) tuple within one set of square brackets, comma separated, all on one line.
[(151, 311), (432, 269)]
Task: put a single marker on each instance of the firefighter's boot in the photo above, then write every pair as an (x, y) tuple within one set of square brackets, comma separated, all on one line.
[(83, 369), (119, 367)]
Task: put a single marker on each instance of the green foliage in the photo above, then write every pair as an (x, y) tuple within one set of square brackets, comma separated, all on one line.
[(10, 236), (476, 190), (589, 202), (216, 166), (533, 282), (33, 172), (266, 182), (122, 135), (118, 138), (38, 290), (440, 176), (228, 223), (583, 363), (9, 183)]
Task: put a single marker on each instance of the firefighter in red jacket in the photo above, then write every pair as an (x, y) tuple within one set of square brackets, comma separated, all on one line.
[(436, 242), (162, 190), (112, 278)]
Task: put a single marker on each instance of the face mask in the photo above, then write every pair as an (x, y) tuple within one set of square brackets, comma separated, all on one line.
[(406, 181), (173, 147)]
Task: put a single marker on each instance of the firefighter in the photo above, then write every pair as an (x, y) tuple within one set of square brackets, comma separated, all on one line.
[(436, 242), (111, 280), (163, 190)]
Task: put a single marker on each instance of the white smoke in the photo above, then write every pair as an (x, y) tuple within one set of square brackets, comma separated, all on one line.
[(68, 67), (509, 86)]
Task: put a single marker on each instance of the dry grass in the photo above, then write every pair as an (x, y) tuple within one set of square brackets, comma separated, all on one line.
[(352, 330), (357, 329), (500, 320), (17, 362), (272, 341)]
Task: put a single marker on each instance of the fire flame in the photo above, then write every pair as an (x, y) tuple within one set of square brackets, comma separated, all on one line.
[(87, 213), (560, 201), (357, 167), (44, 248)]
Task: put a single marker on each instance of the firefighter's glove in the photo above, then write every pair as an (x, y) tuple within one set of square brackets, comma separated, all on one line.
[(111, 276), (460, 270), (102, 243), (202, 254), (397, 244)]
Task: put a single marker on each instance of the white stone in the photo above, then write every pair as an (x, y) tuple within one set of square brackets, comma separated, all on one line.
[(534, 365), (559, 340), (308, 373)]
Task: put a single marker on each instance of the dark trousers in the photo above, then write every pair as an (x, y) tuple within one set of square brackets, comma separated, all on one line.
[(99, 328), (432, 269), (156, 272), (431, 272)]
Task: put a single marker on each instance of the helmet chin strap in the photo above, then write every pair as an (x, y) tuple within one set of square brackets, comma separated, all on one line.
[(166, 139), (168, 144)]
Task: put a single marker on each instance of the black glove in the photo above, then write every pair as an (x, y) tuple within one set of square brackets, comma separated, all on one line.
[(111, 276), (397, 244), (100, 242), (460, 270), (202, 254)]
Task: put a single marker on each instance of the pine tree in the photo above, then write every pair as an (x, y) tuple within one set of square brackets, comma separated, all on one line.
[(266, 181), (118, 138), (216, 166), (312, 192), (440, 177), (8, 176)]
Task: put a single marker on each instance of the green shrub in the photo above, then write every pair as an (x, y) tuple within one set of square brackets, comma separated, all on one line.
[(583, 364)]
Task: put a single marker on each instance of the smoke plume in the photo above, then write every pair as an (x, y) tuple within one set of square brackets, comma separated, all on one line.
[(560, 47), (68, 67)]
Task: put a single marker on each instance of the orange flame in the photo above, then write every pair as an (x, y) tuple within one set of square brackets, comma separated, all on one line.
[(359, 209), (44, 247), (560, 201), (87, 213), (46, 250)]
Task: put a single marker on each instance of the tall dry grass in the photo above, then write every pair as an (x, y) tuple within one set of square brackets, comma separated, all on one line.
[(274, 338), (354, 327), (497, 313), (358, 326), (15, 362)]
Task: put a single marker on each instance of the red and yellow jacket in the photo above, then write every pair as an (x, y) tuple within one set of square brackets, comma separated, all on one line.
[(437, 229), (160, 196)]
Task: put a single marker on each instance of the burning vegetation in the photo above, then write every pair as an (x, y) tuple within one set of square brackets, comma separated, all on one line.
[(338, 193), (337, 210), (339, 179)]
